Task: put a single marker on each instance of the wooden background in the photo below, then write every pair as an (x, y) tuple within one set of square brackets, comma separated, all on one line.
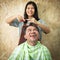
[(49, 11)]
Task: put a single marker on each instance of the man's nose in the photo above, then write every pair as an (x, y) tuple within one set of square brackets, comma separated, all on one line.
[(32, 31)]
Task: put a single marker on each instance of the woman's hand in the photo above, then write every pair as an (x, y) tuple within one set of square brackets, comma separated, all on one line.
[(32, 20), (20, 18)]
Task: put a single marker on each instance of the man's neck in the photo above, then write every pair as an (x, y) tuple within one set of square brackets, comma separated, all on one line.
[(32, 43)]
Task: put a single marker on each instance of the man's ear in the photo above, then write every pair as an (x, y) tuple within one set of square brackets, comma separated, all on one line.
[(25, 36)]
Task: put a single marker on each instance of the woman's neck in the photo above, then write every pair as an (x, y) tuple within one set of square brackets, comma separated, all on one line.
[(30, 17)]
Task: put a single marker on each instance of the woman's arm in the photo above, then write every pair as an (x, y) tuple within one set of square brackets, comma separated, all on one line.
[(12, 18), (42, 26)]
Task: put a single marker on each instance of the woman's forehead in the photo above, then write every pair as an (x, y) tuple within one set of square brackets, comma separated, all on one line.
[(30, 5)]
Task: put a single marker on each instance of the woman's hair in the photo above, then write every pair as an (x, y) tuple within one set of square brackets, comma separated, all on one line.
[(35, 13)]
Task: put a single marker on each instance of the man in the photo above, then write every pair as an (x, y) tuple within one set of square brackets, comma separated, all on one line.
[(32, 49)]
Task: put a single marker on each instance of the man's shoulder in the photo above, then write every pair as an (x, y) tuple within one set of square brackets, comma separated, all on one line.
[(44, 48), (20, 47)]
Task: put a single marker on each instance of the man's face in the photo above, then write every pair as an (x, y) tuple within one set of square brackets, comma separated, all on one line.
[(31, 34)]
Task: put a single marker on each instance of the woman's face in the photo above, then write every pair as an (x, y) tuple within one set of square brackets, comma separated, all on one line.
[(30, 10)]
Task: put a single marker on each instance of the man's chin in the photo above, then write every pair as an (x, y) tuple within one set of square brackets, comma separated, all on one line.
[(32, 39)]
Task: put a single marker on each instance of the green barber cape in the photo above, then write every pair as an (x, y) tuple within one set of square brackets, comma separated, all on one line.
[(28, 52)]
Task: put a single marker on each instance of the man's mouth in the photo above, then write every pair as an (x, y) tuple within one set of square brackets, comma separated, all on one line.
[(33, 35)]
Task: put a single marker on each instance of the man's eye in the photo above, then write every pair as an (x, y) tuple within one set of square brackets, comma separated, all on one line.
[(29, 30), (35, 29)]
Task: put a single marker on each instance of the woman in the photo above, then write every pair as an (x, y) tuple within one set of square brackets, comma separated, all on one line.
[(30, 15)]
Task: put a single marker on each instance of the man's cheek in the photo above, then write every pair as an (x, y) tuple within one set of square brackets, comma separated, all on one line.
[(27, 36)]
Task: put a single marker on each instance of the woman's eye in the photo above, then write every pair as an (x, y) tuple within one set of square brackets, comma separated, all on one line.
[(28, 8)]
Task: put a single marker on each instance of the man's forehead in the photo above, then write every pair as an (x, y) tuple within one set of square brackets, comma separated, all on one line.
[(30, 27)]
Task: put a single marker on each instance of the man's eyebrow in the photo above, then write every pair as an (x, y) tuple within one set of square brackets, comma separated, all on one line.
[(28, 29)]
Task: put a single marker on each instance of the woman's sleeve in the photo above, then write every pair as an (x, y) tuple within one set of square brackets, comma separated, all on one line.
[(15, 23), (43, 22)]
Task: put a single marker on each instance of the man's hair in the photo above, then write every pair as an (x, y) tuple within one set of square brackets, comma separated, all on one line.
[(31, 24)]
